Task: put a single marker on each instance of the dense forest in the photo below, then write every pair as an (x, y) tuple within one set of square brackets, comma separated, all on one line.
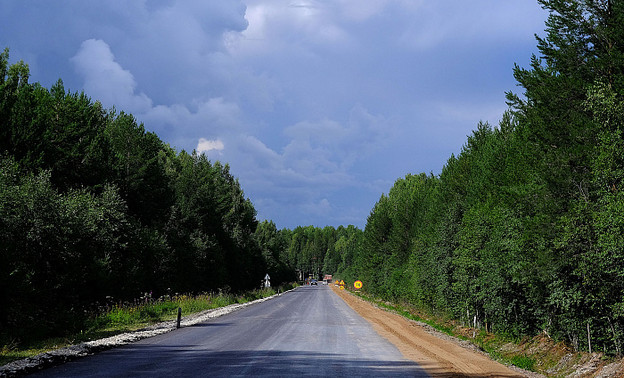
[(521, 233)]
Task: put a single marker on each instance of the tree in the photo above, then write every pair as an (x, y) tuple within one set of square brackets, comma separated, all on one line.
[(58, 250), (140, 170), (582, 47), (272, 243)]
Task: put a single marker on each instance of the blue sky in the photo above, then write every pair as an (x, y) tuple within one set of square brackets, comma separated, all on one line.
[(318, 106)]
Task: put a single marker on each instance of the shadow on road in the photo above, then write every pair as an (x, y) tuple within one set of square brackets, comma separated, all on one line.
[(200, 325), (150, 360)]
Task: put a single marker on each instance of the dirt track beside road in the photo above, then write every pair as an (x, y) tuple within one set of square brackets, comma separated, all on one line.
[(440, 358)]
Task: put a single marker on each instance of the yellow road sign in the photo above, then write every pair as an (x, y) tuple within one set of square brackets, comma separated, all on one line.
[(357, 284)]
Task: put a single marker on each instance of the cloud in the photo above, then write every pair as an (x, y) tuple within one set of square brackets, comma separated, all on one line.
[(308, 100), (324, 151), (360, 134), (318, 208), (205, 145), (313, 166), (323, 132), (105, 79), (299, 168), (108, 82), (290, 25)]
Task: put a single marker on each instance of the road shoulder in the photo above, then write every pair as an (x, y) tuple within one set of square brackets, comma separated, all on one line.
[(439, 357)]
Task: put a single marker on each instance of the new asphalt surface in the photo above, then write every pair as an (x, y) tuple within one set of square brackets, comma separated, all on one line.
[(309, 331)]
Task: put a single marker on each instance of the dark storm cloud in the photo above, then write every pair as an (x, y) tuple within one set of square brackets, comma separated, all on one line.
[(318, 106)]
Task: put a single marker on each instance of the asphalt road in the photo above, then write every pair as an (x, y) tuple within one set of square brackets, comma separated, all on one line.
[(306, 332)]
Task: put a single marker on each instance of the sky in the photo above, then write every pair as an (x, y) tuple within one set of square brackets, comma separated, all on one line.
[(318, 106)]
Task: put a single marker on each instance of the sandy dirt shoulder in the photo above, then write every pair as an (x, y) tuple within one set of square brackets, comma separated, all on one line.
[(439, 355)]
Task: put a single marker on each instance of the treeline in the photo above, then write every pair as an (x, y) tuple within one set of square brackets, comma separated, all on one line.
[(313, 251), (524, 229), (308, 252), (92, 205)]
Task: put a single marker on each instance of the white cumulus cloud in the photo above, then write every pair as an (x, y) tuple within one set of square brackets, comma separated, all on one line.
[(205, 145)]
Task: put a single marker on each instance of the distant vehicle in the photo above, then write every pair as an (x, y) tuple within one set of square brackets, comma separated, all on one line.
[(313, 282), (324, 282)]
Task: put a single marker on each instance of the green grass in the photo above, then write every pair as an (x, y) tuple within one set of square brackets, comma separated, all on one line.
[(492, 345), (129, 317), (523, 362)]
